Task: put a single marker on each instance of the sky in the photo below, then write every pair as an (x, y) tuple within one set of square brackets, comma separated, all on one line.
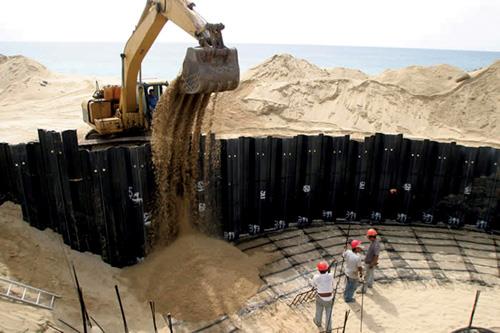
[(434, 24)]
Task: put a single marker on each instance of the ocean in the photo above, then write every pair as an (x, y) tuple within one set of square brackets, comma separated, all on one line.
[(165, 59)]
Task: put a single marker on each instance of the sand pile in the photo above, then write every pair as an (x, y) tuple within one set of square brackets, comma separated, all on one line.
[(284, 67), (19, 72), (286, 96), (346, 73), (196, 277), (33, 97), (40, 259), (423, 80)]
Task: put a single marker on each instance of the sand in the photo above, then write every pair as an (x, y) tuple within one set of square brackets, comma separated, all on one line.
[(226, 277), (32, 97), (36, 257), (399, 307), (203, 278), (175, 147), (39, 258), (196, 277), (420, 80), (288, 96)]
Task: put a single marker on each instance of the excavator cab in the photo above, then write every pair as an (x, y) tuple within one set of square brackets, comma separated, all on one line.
[(148, 95)]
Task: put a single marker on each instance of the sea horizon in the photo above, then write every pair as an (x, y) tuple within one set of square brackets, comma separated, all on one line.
[(165, 58)]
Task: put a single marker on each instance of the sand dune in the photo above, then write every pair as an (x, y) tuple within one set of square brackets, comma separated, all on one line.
[(285, 96), (32, 97), (282, 96), (420, 80)]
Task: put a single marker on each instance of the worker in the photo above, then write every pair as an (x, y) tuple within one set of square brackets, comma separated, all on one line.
[(371, 258), (353, 269), (152, 99), (323, 282)]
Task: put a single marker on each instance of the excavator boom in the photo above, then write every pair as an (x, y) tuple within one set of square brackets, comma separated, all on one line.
[(211, 67)]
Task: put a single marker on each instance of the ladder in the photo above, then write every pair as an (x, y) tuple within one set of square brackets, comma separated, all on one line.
[(23, 293), (305, 297)]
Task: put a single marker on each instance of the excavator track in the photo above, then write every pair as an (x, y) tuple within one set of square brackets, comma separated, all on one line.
[(103, 143)]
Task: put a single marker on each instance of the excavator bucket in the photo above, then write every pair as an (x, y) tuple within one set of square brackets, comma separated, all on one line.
[(206, 70)]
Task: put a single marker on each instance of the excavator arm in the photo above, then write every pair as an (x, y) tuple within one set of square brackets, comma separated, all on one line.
[(209, 68)]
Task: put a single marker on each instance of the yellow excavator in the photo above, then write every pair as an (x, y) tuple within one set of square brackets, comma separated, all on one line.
[(210, 67)]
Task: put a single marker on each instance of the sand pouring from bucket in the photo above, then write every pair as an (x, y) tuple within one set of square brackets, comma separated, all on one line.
[(211, 67), (208, 69)]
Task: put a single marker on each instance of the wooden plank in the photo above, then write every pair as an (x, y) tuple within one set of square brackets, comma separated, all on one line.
[(7, 176), (275, 183), (97, 163), (263, 177), (225, 189), (246, 174), (36, 197), (77, 205), (66, 205), (147, 174), (288, 189), (90, 212), (53, 185), (301, 182), (46, 180), (235, 208), (4, 170), (135, 202), (122, 224), (19, 159)]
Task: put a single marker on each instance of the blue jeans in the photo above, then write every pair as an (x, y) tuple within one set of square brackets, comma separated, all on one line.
[(369, 277), (350, 288), (321, 306)]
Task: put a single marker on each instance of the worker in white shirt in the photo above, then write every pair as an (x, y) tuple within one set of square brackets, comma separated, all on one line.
[(323, 282), (353, 269)]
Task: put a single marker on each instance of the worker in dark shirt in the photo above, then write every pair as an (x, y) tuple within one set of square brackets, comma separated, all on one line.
[(371, 259), (152, 100)]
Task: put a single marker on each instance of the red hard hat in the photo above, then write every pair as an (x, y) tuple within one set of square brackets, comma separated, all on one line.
[(371, 232), (356, 243), (322, 266)]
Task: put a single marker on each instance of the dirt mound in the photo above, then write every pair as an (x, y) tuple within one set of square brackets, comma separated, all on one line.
[(404, 101), (40, 259), (283, 67), (197, 278), (19, 72), (423, 80), (346, 73), (33, 97), (472, 109)]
